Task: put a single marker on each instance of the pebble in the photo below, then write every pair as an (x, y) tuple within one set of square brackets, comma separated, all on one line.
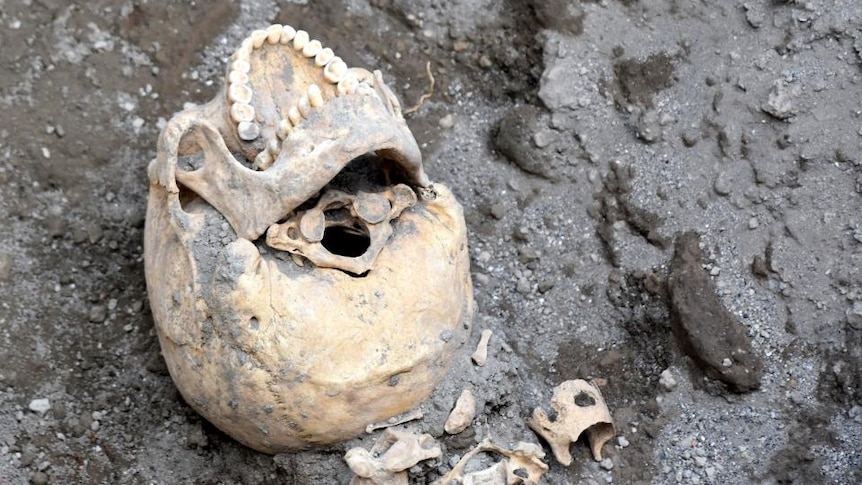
[(498, 210), (481, 279), (622, 441), (854, 315), (607, 464), (39, 478), (98, 313), (40, 406), (523, 286), (447, 122), (723, 183), (667, 381), (753, 223)]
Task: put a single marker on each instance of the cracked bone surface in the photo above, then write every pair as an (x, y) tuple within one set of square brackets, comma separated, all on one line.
[(578, 407), (521, 465), (388, 460), (306, 277)]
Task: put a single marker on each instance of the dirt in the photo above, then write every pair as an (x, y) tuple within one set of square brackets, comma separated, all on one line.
[(629, 122)]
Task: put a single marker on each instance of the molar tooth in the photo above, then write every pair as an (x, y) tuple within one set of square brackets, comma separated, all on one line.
[(312, 48), (335, 70), (315, 97), (240, 112), (300, 40), (304, 106), (347, 85), (248, 130), (263, 160), (293, 115), (287, 34), (283, 129), (237, 77), (258, 37), (239, 93), (323, 57), (241, 65), (273, 33)]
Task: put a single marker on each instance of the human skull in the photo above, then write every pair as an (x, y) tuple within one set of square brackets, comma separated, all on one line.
[(306, 277)]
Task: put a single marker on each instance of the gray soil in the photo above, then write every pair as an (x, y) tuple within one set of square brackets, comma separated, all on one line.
[(662, 195)]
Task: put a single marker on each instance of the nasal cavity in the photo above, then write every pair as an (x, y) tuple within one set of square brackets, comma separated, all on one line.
[(350, 242)]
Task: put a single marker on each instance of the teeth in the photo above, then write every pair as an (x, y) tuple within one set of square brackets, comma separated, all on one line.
[(283, 129), (257, 38), (323, 57), (273, 147), (273, 33), (239, 93), (248, 131), (263, 160), (315, 97), (244, 51), (240, 112), (347, 85), (294, 116), (304, 106), (300, 40), (241, 65), (237, 77), (312, 48), (335, 70), (287, 34)]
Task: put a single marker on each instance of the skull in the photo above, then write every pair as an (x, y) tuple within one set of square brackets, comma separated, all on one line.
[(306, 277)]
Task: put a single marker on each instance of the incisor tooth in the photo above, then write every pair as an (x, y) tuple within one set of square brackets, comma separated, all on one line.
[(239, 93), (263, 160), (312, 48), (237, 77), (335, 70), (315, 97), (323, 57), (283, 129), (304, 106), (248, 131), (273, 147), (300, 39), (347, 85), (241, 65), (273, 33), (240, 112), (257, 38), (294, 116), (287, 34)]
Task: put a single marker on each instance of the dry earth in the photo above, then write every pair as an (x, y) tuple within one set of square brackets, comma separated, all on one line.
[(583, 139)]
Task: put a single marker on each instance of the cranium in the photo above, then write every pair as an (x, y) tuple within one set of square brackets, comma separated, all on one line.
[(306, 277)]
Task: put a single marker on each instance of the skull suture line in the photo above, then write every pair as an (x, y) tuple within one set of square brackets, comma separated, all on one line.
[(305, 276)]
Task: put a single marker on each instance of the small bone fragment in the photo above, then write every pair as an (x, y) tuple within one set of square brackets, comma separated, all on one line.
[(579, 407), (395, 421), (480, 356), (462, 416), (388, 460), (525, 458), (493, 475)]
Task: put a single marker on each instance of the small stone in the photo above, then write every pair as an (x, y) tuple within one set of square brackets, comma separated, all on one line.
[(5, 267), (523, 286), (95, 425), (753, 223), (690, 137), (779, 103), (39, 478), (649, 127), (700, 461), (543, 138), (723, 184), (481, 279), (667, 381), (546, 285), (622, 441), (498, 210), (40, 406), (854, 315), (485, 62), (447, 122), (607, 464), (98, 313)]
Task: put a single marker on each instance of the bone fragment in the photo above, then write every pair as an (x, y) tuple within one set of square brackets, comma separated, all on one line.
[(480, 356), (462, 416), (389, 459), (579, 407), (395, 421), (525, 458)]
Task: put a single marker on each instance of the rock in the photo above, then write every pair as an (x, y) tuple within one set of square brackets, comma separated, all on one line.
[(667, 381), (709, 333), (39, 478), (648, 127), (447, 122), (854, 315), (779, 103), (5, 267), (515, 140), (98, 313), (40, 406), (607, 464)]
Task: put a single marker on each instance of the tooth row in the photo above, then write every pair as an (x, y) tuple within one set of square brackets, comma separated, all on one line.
[(240, 94)]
